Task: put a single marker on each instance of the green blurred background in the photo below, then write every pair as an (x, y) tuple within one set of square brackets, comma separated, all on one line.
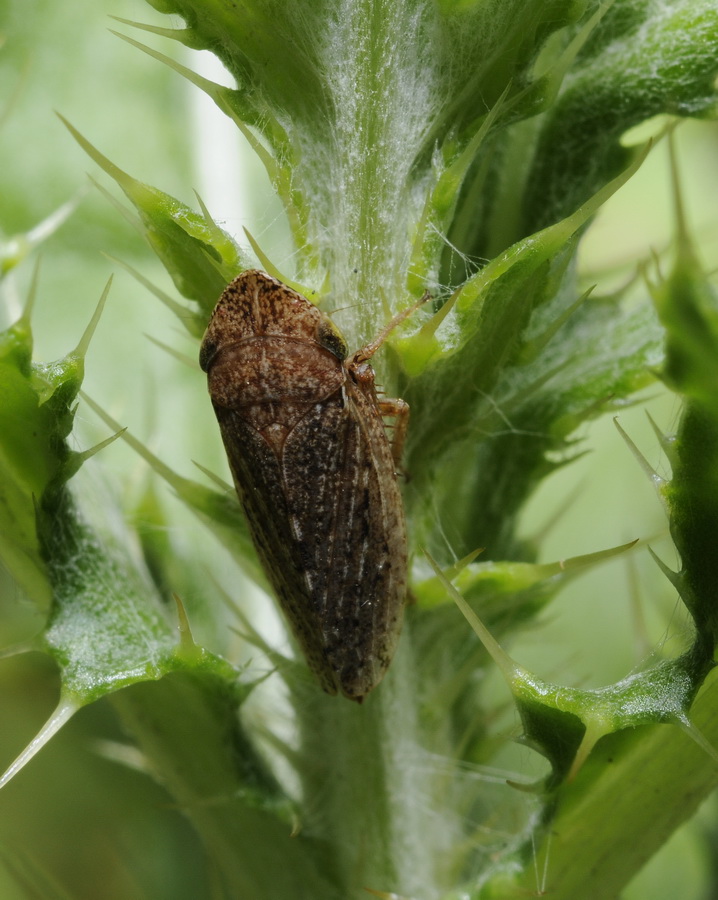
[(103, 829)]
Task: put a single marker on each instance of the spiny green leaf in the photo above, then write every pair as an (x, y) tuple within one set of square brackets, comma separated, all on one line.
[(199, 256), (36, 416), (642, 60)]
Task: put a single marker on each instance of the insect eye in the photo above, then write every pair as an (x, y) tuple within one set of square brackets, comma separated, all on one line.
[(331, 340)]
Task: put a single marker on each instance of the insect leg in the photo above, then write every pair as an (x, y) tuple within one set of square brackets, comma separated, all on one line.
[(399, 410), (365, 353)]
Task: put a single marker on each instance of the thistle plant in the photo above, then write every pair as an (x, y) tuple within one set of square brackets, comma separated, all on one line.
[(461, 148)]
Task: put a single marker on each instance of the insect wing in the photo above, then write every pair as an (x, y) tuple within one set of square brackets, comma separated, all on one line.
[(343, 500), (258, 479)]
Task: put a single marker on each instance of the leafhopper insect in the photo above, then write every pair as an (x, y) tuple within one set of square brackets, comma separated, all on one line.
[(315, 472)]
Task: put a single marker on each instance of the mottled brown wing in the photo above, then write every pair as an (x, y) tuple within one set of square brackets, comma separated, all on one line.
[(327, 523), (345, 513), (260, 487)]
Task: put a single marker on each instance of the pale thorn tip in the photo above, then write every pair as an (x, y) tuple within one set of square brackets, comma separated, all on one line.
[(64, 711)]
